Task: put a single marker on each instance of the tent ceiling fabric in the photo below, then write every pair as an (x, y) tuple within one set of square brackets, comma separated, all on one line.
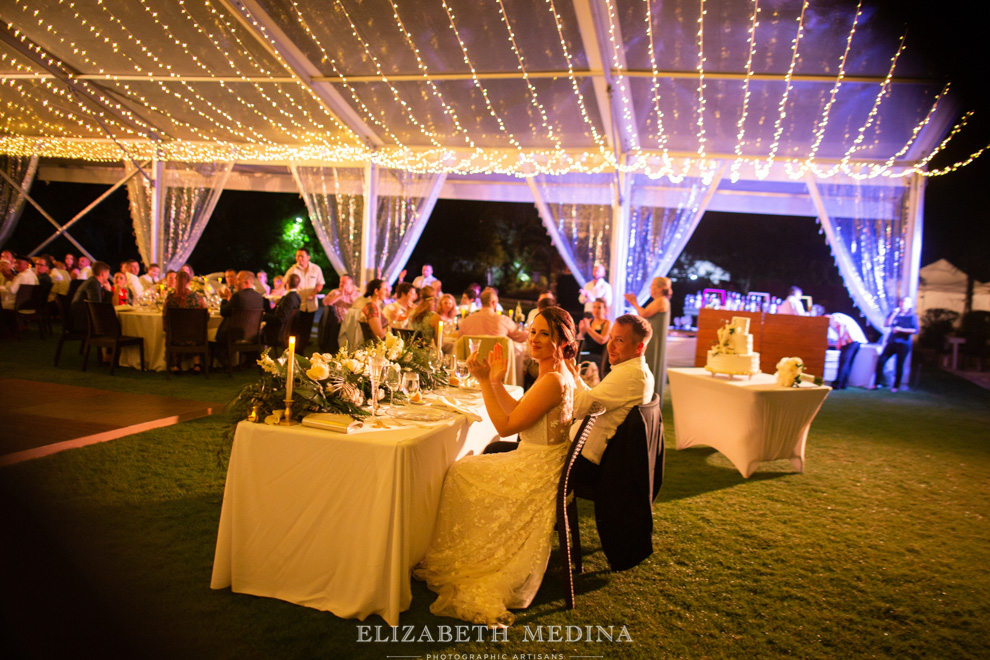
[(514, 87)]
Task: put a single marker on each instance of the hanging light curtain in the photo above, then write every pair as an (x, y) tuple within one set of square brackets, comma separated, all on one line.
[(867, 229), (334, 198), (576, 211), (662, 219), (191, 194), (405, 202), (21, 169)]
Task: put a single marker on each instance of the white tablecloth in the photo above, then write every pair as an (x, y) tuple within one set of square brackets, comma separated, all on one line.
[(748, 420), (336, 521), (148, 325)]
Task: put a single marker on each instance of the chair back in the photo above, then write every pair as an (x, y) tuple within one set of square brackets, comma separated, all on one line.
[(64, 317), (244, 325), (367, 334), (288, 328), (102, 319), (186, 325), (567, 515), (39, 298), (73, 287), (24, 297), (405, 334)]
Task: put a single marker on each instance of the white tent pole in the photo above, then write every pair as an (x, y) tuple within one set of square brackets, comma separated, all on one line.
[(619, 242), (156, 231), (369, 224), (916, 225)]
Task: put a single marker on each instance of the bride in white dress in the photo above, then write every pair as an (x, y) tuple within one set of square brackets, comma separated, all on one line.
[(492, 539)]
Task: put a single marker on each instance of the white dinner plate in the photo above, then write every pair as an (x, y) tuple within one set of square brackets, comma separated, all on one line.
[(422, 415)]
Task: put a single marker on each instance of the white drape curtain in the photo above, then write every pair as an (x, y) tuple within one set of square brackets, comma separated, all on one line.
[(405, 202), (577, 213), (191, 194), (662, 218), (867, 229), (21, 169), (335, 201)]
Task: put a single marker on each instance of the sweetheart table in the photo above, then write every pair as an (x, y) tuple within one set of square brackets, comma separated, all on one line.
[(749, 421), (337, 521)]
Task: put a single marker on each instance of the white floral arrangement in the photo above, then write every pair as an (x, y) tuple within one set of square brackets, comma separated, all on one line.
[(790, 373)]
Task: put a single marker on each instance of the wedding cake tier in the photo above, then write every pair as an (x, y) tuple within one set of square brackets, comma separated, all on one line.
[(733, 353)]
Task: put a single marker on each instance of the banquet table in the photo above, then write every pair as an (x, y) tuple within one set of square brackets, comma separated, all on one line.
[(336, 521), (749, 421), (147, 324)]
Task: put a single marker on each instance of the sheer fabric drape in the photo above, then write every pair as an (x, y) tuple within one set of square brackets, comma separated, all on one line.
[(191, 194), (405, 201), (22, 170), (334, 198), (577, 213), (662, 218), (867, 226)]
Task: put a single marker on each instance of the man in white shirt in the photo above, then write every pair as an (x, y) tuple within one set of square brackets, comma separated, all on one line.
[(310, 283), (596, 288), (628, 384), (24, 275), (133, 281), (793, 305), (426, 279), (845, 335), (487, 320), (150, 279)]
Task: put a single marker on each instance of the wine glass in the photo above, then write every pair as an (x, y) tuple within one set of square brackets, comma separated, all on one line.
[(376, 364), (462, 371), (449, 363), (410, 384), (393, 379), (474, 345)]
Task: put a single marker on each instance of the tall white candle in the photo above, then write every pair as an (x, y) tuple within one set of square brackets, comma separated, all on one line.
[(289, 375)]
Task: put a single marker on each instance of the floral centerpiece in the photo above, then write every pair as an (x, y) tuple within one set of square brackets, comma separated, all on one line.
[(329, 382), (790, 373)]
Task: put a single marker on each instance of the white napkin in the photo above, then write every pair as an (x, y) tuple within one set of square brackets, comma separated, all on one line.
[(453, 405)]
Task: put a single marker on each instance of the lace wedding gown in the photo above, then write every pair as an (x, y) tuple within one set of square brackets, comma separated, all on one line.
[(497, 511)]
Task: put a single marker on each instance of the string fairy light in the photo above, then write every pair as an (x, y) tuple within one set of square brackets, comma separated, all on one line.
[(754, 22)]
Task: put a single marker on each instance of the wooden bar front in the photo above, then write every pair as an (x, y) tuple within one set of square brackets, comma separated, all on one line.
[(775, 336)]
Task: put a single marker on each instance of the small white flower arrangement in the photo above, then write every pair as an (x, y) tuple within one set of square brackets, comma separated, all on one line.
[(790, 373)]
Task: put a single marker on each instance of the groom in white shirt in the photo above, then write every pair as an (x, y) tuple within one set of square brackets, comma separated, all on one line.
[(628, 384)]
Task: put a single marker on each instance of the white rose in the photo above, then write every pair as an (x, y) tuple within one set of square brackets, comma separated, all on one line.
[(318, 371), (354, 366)]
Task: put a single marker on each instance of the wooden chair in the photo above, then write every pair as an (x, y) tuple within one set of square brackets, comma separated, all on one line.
[(36, 309), (244, 335), (22, 299), (405, 334), (69, 333), (185, 334), (462, 350), (367, 334), (329, 330), (629, 479), (105, 332), (567, 519)]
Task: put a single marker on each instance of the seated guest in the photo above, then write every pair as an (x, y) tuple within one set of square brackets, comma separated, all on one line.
[(85, 271), (341, 298), (793, 304), (245, 297), (21, 274), (150, 279), (278, 288), (228, 282), (276, 319), (261, 283), (469, 300), (424, 319), (189, 269), (594, 332), (121, 294), (397, 312), (376, 293), (6, 266), (96, 289), (61, 279), (171, 280), (131, 270), (186, 298), (69, 261), (545, 300), (447, 307), (846, 336), (42, 270), (487, 321)]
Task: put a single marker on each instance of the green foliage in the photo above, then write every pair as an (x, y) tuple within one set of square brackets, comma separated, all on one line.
[(297, 232)]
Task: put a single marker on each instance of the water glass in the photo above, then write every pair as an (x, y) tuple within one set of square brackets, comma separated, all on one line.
[(410, 384), (393, 380)]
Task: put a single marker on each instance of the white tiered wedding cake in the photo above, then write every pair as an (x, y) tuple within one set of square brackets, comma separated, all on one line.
[(733, 353)]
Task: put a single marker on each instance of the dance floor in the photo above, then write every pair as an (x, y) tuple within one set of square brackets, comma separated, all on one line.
[(43, 418)]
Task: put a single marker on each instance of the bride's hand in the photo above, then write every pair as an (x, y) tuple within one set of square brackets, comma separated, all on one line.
[(497, 364), (479, 368)]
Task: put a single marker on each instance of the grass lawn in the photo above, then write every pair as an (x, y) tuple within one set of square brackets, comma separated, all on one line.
[(880, 549)]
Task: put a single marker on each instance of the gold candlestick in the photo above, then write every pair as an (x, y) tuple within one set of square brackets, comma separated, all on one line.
[(287, 417)]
